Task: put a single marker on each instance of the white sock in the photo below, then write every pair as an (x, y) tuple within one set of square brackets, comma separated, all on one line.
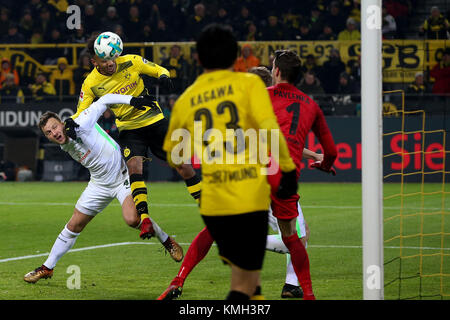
[(160, 234), (63, 243), (274, 243), (291, 277)]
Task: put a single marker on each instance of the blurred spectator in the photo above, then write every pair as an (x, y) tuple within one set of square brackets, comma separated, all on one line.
[(242, 21), (167, 108), (133, 25), (305, 33), (108, 123), (162, 34), (310, 64), (417, 91), (327, 33), (78, 36), (42, 90), (389, 28), (247, 60), (118, 29), (91, 20), (316, 21), (62, 80), (331, 70), (146, 34), (347, 92), (4, 21), (82, 71), (441, 75), (37, 37), (44, 23), (26, 24), (111, 19), (195, 69), (400, 10), (310, 85), (334, 18), (10, 91), (353, 10), (7, 68), (155, 15), (253, 34), (178, 68), (197, 21), (273, 30), (264, 74), (351, 33), (223, 16), (291, 21), (13, 35), (59, 7), (101, 7), (354, 67), (51, 56), (435, 26)]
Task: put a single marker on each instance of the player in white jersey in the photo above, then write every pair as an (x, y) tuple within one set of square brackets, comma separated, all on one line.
[(93, 148)]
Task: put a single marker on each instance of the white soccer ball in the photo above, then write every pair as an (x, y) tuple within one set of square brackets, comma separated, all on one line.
[(108, 46)]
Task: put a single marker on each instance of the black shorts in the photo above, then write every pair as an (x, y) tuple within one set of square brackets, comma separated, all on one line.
[(241, 238), (136, 142)]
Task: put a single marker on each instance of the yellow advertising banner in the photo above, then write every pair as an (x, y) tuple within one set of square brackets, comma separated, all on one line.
[(401, 59)]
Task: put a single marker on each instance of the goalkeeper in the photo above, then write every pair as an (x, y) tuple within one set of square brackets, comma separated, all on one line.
[(93, 148), (139, 129)]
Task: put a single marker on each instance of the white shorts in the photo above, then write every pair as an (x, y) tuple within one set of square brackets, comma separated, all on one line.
[(96, 197), (300, 225)]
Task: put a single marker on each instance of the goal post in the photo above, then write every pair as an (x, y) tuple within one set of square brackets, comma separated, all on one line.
[(372, 152)]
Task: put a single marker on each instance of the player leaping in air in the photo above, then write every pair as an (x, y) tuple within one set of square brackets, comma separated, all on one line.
[(87, 143), (139, 129)]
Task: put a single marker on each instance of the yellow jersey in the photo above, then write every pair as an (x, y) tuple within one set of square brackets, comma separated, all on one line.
[(125, 80), (234, 177)]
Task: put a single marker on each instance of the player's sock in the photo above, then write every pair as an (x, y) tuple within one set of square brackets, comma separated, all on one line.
[(65, 241), (291, 277), (139, 193), (300, 261), (195, 253), (258, 294), (160, 234), (274, 243), (237, 295), (194, 187)]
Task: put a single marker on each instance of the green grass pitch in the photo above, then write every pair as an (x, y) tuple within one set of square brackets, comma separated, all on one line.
[(33, 214)]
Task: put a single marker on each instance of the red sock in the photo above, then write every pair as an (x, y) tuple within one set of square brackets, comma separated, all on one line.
[(195, 253), (300, 261)]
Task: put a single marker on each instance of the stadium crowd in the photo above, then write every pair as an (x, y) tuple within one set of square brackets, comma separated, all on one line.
[(39, 21)]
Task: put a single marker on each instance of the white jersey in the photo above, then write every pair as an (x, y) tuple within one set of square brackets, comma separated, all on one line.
[(94, 148)]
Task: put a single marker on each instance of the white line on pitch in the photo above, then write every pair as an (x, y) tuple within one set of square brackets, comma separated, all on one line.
[(187, 244)]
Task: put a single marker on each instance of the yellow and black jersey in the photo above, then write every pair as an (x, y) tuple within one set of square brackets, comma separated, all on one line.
[(233, 174), (126, 80)]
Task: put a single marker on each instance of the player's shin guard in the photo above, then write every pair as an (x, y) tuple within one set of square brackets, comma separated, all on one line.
[(194, 187), (65, 241), (300, 261), (195, 253), (139, 193)]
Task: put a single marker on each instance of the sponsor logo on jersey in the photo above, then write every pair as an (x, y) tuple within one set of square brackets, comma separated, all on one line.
[(126, 88), (81, 95)]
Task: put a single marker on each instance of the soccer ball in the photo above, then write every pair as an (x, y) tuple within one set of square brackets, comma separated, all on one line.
[(108, 46)]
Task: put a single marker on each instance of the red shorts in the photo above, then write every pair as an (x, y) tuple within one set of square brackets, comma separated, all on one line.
[(284, 209)]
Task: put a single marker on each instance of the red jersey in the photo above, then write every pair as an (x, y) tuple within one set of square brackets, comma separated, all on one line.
[(297, 114)]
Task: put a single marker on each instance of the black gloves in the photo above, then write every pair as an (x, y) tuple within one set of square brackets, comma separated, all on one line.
[(165, 82), (288, 184), (143, 101), (69, 126)]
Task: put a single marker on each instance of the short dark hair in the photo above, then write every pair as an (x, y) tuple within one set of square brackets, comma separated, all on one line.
[(45, 117), (217, 47), (289, 64), (90, 44), (263, 73)]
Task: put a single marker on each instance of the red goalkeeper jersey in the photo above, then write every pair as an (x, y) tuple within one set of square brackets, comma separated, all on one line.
[(297, 114)]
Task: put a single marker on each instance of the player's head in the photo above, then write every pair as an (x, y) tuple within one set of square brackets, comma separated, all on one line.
[(105, 67), (263, 73), (217, 47), (287, 66), (53, 128)]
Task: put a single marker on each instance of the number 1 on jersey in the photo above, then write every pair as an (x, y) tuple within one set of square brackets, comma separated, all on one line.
[(295, 109)]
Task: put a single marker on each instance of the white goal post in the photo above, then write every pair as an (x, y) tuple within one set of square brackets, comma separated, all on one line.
[(372, 152)]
